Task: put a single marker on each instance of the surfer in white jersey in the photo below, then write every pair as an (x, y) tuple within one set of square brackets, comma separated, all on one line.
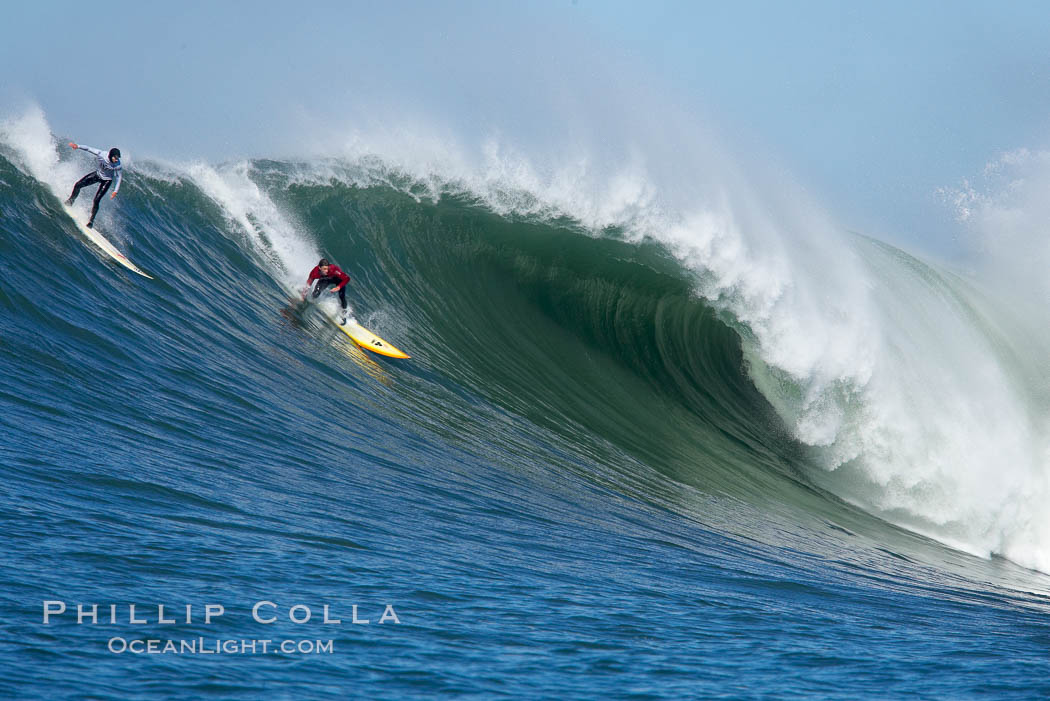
[(107, 170)]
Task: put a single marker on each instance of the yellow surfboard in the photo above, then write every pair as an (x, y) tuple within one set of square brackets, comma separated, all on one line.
[(363, 360), (368, 340), (101, 241)]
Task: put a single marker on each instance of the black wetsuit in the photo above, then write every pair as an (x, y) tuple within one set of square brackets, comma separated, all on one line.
[(91, 179), (324, 282)]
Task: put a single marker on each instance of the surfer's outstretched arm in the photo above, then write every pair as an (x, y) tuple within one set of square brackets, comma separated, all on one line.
[(89, 149)]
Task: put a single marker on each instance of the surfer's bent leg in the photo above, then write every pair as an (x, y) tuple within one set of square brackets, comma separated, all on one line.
[(98, 198), (319, 287), (89, 179)]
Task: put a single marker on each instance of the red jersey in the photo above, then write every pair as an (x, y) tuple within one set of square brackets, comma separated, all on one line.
[(333, 271)]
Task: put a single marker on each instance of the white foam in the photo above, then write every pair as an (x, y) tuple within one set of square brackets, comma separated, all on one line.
[(273, 233), (29, 138)]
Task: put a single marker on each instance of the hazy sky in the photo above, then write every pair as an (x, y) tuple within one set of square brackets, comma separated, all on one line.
[(871, 106)]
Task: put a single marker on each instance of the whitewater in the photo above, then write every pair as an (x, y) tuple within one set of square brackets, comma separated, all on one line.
[(700, 414)]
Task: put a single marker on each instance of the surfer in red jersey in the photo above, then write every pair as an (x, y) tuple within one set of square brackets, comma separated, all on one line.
[(327, 275)]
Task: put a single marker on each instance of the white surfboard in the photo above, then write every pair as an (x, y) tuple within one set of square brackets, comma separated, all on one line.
[(101, 241)]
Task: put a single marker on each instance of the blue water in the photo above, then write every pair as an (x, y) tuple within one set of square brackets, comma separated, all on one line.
[(574, 489)]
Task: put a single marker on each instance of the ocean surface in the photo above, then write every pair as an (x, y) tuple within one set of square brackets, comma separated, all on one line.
[(635, 454)]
